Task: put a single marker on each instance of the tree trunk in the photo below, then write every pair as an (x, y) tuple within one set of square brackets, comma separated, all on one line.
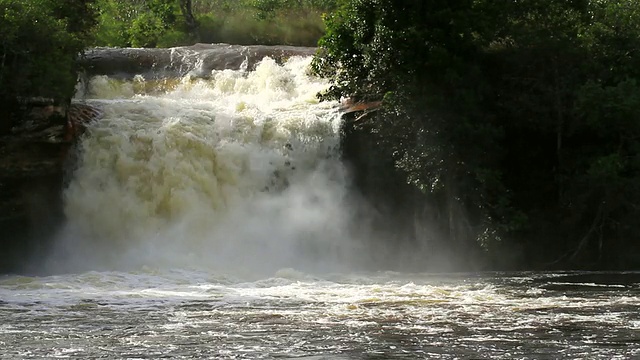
[(190, 20)]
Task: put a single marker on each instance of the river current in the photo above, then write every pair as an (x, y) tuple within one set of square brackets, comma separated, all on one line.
[(209, 216), (181, 314)]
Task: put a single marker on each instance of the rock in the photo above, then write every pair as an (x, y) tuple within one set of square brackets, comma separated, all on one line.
[(198, 60), (33, 151)]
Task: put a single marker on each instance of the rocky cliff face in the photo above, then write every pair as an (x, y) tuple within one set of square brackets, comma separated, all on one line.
[(34, 146)]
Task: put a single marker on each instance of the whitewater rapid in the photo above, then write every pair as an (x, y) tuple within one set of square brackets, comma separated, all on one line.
[(187, 314)]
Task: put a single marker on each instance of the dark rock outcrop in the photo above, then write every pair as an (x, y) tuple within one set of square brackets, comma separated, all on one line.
[(33, 150)]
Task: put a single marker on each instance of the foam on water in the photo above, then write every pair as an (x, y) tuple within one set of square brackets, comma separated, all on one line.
[(192, 314)]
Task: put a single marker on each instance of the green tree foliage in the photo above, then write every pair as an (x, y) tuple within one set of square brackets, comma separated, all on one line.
[(422, 59), (566, 90), (267, 9), (40, 41), (522, 113), (150, 23), (139, 23)]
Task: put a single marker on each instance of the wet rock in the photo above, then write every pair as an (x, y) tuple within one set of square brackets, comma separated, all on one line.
[(198, 60), (33, 153), (591, 280)]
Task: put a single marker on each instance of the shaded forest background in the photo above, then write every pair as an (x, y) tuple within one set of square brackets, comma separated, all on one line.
[(519, 121)]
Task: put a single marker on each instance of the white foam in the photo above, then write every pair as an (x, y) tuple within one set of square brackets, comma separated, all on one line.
[(236, 171)]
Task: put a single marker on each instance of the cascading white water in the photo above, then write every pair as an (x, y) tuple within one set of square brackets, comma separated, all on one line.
[(239, 170)]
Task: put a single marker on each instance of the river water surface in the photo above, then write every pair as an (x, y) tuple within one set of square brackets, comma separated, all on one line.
[(209, 216), (192, 314)]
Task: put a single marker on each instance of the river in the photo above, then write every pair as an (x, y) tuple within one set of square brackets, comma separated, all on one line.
[(209, 216), (180, 314)]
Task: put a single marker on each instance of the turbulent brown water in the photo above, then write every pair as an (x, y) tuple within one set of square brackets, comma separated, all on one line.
[(180, 314), (210, 216)]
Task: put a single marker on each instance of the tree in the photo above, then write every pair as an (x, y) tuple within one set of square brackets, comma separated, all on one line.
[(40, 41), (142, 23), (423, 59), (521, 116), (190, 20)]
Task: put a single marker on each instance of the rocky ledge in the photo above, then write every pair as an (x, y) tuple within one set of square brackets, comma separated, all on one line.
[(197, 60)]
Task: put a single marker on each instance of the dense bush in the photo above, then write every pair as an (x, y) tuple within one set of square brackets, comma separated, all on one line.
[(523, 114), (143, 23), (41, 40), (150, 23)]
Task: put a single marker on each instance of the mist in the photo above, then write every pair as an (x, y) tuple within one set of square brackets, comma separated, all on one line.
[(240, 173)]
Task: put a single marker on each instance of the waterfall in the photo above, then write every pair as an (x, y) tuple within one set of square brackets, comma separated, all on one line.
[(233, 168)]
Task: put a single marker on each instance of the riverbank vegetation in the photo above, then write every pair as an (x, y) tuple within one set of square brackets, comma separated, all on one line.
[(39, 43), (520, 119), (166, 23)]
